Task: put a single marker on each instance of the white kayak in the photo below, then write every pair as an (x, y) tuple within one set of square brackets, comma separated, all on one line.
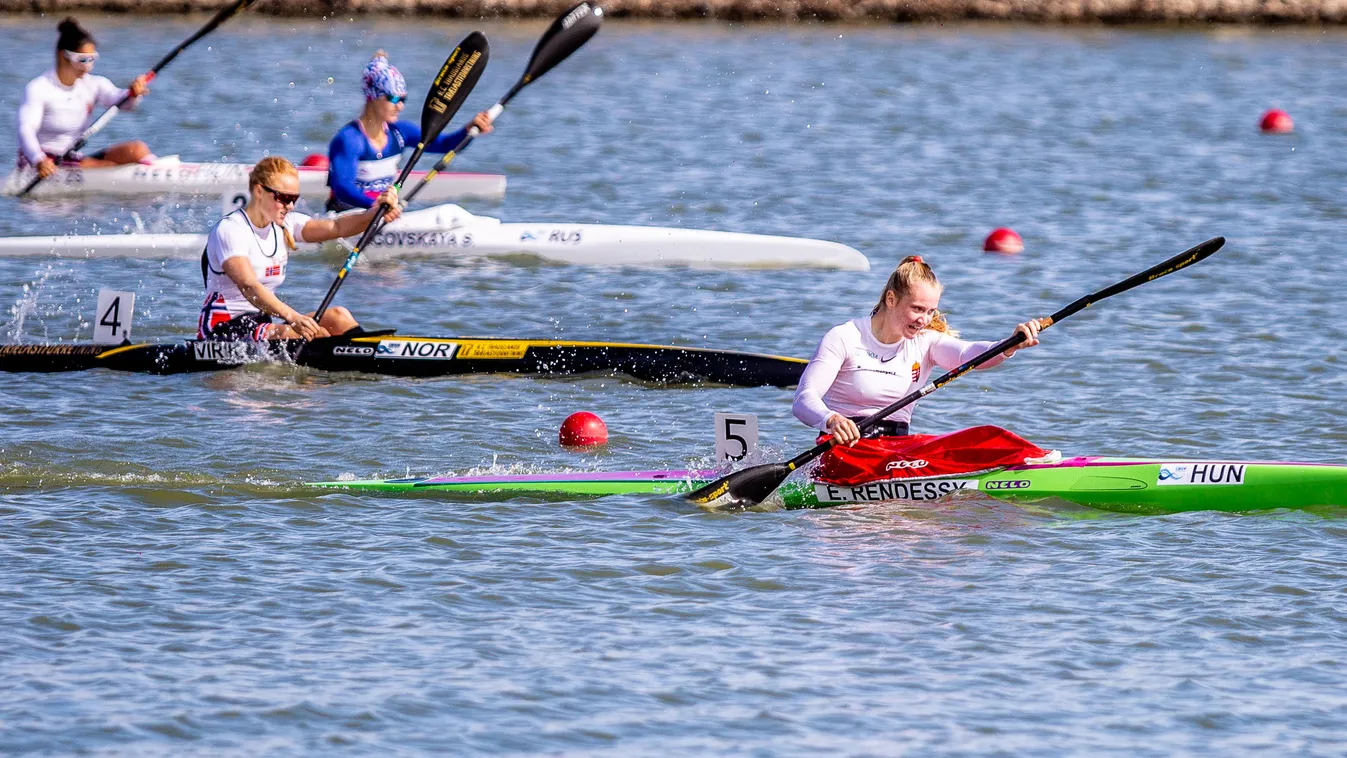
[(448, 230), (168, 175)]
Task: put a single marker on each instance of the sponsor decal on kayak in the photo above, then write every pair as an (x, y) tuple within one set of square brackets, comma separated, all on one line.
[(66, 177), (500, 351), (13, 350), (1190, 472), (360, 350), (422, 239), (224, 353), (191, 173), (895, 465), (930, 489), (416, 349), (1007, 484)]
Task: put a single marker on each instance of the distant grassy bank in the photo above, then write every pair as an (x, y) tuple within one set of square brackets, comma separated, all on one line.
[(1035, 11)]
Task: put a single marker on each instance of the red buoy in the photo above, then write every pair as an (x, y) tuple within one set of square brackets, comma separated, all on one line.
[(315, 161), (583, 429), (1003, 240), (1277, 121)]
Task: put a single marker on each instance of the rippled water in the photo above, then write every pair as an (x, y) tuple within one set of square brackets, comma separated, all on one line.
[(171, 587)]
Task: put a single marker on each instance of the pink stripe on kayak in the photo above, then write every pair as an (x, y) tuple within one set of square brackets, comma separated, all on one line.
[(578, 476), (1094, 461)]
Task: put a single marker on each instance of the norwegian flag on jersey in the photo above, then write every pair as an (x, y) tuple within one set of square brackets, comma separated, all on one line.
[(967, 451), (274, 270), (213, 313)]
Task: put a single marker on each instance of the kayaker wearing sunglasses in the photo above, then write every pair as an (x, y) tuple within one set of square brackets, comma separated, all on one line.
[(869, 362), (59, 105), (245, 260), (363, 157)]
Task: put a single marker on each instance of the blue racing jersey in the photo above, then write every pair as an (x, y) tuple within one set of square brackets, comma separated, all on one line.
[(358, 173)]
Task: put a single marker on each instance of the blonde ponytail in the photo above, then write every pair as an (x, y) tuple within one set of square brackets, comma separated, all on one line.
[(265, 173), (911, 270)]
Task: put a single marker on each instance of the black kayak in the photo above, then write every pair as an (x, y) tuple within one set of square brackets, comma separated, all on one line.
[(395, 355)]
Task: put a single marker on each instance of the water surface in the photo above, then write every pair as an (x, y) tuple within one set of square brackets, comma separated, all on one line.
[(171, 586)]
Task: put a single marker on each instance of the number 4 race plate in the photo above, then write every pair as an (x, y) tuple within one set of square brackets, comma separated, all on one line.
[(112, 320)]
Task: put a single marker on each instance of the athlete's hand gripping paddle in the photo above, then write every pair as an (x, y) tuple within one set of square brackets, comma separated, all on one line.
[(567, 34), (224, 15), (752, 485), (457, 77)]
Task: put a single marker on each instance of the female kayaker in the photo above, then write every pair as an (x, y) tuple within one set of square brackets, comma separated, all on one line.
[(869, 362), (363, 157), (59, 105), (245, 260)]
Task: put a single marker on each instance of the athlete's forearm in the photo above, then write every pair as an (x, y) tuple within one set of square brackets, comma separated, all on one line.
[(266, 301)]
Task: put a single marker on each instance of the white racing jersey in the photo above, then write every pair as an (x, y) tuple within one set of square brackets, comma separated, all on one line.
[(854, 374), (52, 116), (233, 237)]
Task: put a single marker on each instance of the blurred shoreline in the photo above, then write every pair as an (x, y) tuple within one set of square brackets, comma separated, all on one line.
[(1259, 12)]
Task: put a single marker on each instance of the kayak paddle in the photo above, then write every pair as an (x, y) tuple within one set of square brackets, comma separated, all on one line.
[(752, 485), (102, 121), (457, 77), (566, 35)]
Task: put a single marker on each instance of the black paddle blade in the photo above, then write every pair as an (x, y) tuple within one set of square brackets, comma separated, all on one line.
[(457, 77), (747, 487), (563, 37)]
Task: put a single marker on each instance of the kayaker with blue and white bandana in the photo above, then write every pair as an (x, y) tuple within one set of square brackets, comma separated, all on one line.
[(364, 155)]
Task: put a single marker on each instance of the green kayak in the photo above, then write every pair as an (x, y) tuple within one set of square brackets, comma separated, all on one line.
[(1119, 484)]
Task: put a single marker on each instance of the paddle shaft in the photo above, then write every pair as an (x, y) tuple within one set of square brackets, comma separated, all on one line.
[(374, 226), (1180, 261), (378, 224), (462, 145), (102, 120)]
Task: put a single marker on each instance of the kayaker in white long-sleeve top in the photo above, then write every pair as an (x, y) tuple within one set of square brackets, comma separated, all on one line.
[(59, 105), (869, 362)]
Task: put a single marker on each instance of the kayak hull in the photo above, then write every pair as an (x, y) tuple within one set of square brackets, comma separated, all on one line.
[(395, 355), (169, 176), (1116, 484), (449, 231)]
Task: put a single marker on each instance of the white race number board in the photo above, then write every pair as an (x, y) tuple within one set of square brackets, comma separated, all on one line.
[(112, 318), (736, 435)]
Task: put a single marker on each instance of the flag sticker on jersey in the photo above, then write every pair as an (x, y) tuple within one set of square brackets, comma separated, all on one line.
[(916, 372), (274, 270)]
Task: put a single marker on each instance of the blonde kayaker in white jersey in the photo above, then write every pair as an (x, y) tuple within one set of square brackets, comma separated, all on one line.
[(247, 253), (59, 105), (868, 363)]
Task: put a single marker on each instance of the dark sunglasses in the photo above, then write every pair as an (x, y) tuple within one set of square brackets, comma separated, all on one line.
[(284, 198), (395, 99)]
